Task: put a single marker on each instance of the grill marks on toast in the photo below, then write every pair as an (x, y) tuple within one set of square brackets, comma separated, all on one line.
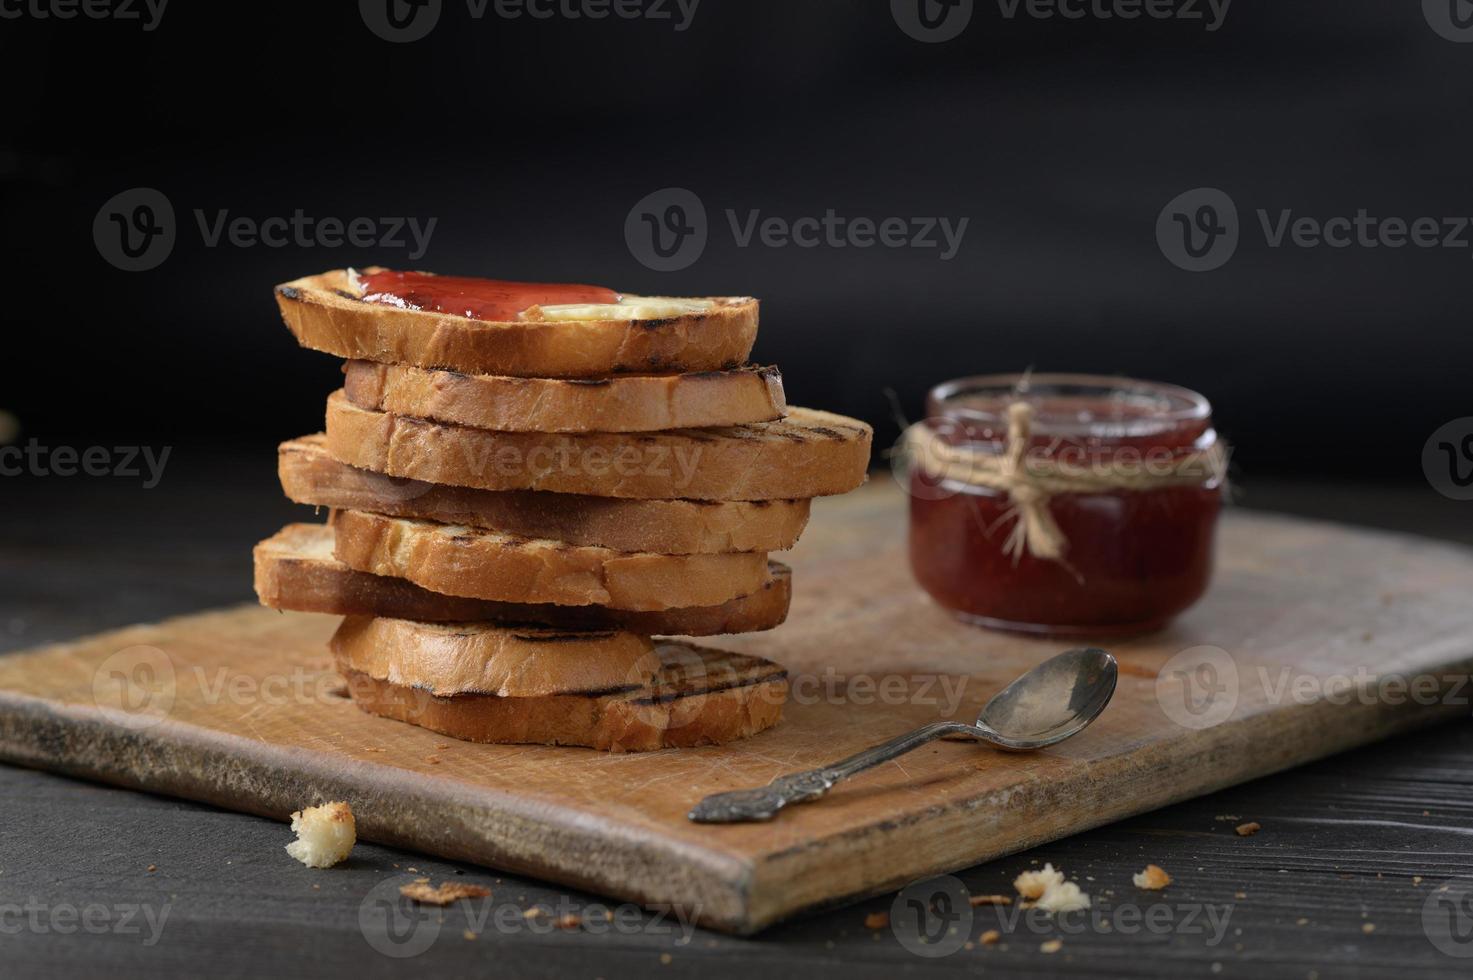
[(698, 697), (489, 659), (311, 475), (808, 454), (690, 671), (478, 564), (296, 570)]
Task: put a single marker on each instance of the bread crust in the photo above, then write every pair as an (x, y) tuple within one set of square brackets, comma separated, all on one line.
[(465, 561), (311, 475), (324, 313), (699, 697), (807, 454), (502, 660), (296, 570), (620, 403)]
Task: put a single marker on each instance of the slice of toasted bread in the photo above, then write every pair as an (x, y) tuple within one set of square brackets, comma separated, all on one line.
[(325, 313), (459, 560), (807, 454), (486, 658), (295, 569), (699, 697), (311, 475), (620, 403)]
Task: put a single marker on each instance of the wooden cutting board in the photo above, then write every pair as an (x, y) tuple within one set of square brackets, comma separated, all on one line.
[(238, 708)]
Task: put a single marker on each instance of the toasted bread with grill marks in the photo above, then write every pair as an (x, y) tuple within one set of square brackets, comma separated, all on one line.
[(458, 560), (699, 697), (619, 403), (325, 313), (311, 475), (296, 570), (502, 660), (807, 454)]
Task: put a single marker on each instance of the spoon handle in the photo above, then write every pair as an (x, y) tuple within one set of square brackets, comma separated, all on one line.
[(746, 805)]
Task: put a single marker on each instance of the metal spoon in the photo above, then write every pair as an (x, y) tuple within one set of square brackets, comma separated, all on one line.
[(1053, 701)]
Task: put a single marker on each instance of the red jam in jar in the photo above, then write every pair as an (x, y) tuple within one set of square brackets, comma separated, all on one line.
[(1064, 504), (479, 299)]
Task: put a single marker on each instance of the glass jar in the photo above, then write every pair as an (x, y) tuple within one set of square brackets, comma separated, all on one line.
[(1064, 504)]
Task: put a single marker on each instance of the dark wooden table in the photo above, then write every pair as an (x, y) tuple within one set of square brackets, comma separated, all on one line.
[(1340, 881)]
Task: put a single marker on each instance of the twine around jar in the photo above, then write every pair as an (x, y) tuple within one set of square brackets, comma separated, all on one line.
[(1031, 483)]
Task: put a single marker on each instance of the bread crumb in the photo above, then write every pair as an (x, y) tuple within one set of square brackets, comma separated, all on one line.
[(1248, 829), (1416, 879), (1032, 884), (877, 920), (325, 834), (419, 891), (977, 900), (1240, 894), (665, 958), (1049, 891), (569, 921), (1065, 898), (152, 868), (1153, 879), (1301, 921), (1368, 927), (1052, 946), (469, 935), (534, 912), (991, 937)]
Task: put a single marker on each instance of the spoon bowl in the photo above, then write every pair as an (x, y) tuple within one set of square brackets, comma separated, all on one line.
[(1055, 700)]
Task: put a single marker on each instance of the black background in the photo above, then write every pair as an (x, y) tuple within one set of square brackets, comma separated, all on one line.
[(529, 141)]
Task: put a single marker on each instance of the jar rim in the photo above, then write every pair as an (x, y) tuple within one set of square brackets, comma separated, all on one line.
[(1170, 405)]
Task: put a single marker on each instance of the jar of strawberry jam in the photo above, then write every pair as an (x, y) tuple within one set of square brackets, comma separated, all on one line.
[(1063, 504)]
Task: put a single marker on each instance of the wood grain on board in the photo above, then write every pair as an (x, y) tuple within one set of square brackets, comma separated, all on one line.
[(255, 722)]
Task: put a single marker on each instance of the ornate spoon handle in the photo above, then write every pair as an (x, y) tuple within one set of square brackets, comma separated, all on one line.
[(745, 805)]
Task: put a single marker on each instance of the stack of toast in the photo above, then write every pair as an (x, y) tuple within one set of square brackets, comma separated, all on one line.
[(529, 488)]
